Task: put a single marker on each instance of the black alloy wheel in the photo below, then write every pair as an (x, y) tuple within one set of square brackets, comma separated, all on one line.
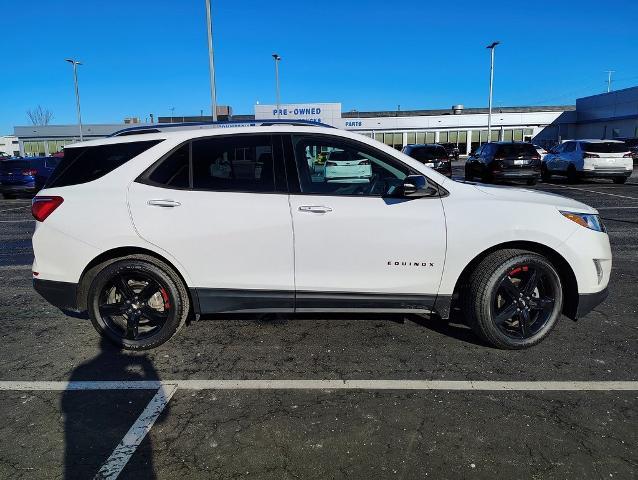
[(524, 301), (137, 304), (513, 299)]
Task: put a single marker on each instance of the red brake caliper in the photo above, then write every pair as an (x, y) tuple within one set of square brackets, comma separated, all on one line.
[(167, 303)]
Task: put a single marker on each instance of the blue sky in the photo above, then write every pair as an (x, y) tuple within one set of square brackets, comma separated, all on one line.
[(145, 56)]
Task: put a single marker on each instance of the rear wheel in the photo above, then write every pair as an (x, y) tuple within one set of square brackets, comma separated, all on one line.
[(572, 174), (137, 303), (514, 299), (620, 180), (468, 173)]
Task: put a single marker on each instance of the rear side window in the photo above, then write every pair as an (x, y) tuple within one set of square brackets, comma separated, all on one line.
[(517, 149), (174, 170), (604, 147), (85, 164), (242, 163)]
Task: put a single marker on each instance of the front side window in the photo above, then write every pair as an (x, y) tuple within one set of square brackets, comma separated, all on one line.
[(242, 163), (335, 167)]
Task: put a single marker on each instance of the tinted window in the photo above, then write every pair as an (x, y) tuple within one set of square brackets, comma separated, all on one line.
[(13, 164), (604, 147), (569, 147), (85, 164), (173, 171), (51, 162), (427, 154), (334, 167), (517, 149), (242, 163)]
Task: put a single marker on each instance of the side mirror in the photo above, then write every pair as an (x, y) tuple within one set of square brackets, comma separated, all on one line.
[(415, 186)]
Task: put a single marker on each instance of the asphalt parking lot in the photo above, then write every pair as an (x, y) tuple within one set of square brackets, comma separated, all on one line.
[(211, 429)]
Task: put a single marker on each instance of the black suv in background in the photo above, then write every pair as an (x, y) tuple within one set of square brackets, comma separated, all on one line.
[(504, 161), (452, 150), (431, 155)]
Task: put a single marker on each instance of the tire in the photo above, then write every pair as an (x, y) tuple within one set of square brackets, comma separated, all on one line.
[(493, 285), (620, 180), (531, 182), (546, 175), (468, 174), (129, 314), (572, 174)]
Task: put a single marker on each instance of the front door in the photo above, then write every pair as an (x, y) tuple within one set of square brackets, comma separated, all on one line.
[(355, 247), (219, 206)]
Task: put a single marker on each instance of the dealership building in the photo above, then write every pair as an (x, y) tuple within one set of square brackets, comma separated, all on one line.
[(608, 115)]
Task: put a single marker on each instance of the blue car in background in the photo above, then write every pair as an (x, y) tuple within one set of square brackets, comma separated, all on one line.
[(25, 176)]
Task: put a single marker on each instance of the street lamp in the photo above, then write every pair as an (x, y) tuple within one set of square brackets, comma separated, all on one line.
[(211, 62), (75, 64), (492, 46), (277, 59)]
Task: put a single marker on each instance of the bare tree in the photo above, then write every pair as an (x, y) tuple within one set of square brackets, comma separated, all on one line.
[(39, 115)]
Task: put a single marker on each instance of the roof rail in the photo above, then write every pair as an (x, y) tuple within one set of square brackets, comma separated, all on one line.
[(158, 127)]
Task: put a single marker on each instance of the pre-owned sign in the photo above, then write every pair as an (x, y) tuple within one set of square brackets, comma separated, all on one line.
[(328, 113)]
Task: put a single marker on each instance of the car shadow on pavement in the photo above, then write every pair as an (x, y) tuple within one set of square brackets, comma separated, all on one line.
[(95, 421)]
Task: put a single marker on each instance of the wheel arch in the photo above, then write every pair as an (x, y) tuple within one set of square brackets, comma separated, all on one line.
[(114, 254), (565, 271)]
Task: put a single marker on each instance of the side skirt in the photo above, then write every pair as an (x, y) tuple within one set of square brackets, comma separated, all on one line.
[(214, 300)]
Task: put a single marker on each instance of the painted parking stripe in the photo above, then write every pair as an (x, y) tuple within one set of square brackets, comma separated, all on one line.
[(599, 193), (126, 448), (16, 267), (467, 385), (614, 208)]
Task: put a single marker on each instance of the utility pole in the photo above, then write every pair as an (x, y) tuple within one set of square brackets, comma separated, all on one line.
[(277, 59), (211, 62), (491, 46), (609, 72), (172, 109), (75, 64)]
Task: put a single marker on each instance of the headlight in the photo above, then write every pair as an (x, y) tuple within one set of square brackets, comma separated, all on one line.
[(586, 220)]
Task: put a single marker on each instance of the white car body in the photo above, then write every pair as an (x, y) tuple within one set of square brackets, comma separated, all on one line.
[(387, 255), (336, 169), (574, 154)]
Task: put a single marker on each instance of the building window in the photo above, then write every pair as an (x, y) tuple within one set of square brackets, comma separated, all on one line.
[(378, 137), (518, 135), (429, 137), (443, 137), (411, 138), (420, 137), (508, 135), (453, 137)]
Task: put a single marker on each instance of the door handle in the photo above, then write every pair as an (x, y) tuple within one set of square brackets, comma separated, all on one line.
[(164, 203), (314, 209)]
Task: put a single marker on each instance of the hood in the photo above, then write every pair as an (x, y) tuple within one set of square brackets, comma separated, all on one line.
[(510, 194)]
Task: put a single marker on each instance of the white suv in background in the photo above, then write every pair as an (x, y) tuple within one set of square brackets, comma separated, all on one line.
[(589, 159), (148, 229)]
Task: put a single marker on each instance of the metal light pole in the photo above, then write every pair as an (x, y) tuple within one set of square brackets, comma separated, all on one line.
[(75, 64), (211, 62), (492, 46), (609, 72), (277, 60)]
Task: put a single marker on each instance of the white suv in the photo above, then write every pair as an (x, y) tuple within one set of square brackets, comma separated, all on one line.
[(147, 230), (589, 159)]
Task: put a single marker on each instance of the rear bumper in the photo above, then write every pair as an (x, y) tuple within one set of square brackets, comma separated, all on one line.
[(59, 294), (523, 174), (605, 173), (588, 301)]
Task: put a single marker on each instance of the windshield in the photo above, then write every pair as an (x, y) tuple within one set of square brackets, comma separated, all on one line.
[(605, 147), (427, 154), (516, 149)]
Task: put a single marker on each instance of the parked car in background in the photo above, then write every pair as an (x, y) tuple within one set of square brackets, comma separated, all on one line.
[(4, 156), (452, 150), (431, 155), (346, 165), (25, 175), (541, 151), (589, 159), (632, 143), (504, 161)]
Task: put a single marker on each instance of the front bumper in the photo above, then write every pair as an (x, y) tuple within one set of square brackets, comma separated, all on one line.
[(59, 294), (588, 301)]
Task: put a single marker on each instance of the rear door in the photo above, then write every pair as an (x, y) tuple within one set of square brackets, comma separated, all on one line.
[(355, 248), (219, 206)]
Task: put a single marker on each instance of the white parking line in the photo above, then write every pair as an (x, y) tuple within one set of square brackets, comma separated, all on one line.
[(16, 267), (599, 193), (614, 208), (126, 448), (468, 385)]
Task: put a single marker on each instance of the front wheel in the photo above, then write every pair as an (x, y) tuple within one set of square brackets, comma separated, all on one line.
[(572, 174), (137, 303), (514, 299), (620, 180)]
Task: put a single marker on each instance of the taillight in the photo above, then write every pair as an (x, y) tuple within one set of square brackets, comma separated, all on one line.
[(29, 171), (536, 157), (591, 155), (364, 162), (42, 207)]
